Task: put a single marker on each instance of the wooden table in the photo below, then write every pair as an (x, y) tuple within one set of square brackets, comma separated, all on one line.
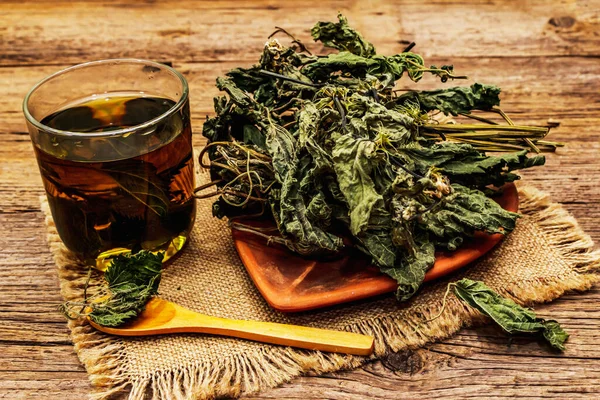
[(545, 56)]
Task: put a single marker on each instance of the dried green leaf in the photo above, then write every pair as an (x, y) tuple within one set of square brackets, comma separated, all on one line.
[(237, 95), (555, 334), (339, 35), (130, 281), (127, 273), (507, 314), (247, 79), (421, 158), (463, 164), (281, 147), (290, 205), (464, 212), (253, 136), (353, 162), (479, 170), (410, 268), (378, 244), (455, 100), (359, 66)]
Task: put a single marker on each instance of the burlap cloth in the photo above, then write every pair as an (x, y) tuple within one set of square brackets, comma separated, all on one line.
[(545, 256)]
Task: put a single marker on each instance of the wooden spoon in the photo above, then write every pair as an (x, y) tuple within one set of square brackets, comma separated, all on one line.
[(163, 317)]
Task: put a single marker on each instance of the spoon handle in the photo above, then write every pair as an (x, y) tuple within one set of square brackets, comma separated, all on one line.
[(286, 335)]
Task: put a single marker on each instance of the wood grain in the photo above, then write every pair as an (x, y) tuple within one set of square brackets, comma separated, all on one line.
[(545, 56), (210, 31)]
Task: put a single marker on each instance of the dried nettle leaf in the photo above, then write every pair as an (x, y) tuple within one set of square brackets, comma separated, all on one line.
[(290, 205), (353, 161), (342, 37), (130, 281), (325, 148), (507, 314), (456, 100)]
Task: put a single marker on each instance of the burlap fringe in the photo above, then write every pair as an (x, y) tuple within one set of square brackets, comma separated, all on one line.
[(103, 357), (561, 228)]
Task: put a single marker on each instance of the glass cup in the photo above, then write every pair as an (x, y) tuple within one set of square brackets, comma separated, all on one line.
[(113, 143)]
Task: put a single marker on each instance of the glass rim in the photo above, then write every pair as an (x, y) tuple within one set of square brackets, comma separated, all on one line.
[(117, 132)]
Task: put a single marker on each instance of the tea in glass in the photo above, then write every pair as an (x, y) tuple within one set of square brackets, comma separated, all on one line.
[(117, 164)]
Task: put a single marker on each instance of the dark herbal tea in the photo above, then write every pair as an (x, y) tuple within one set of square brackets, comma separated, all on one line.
[(105, 197)]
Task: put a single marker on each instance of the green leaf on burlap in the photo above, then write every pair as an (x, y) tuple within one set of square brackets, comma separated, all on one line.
[(130, 281), (510, 316)]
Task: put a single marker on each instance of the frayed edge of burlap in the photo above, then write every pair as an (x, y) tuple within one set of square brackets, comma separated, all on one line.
[(561, 230), (241, 374), (102, 356)]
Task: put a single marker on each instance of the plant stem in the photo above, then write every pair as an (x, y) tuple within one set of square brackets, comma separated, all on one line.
[(409, 47), (287, 78), (478, 118), (340, 109), (481, 127)]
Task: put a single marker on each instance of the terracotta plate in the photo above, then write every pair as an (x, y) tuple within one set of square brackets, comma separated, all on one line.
[(291, 283)]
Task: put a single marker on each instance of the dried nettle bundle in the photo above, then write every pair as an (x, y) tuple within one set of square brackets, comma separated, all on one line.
[(325, 147)]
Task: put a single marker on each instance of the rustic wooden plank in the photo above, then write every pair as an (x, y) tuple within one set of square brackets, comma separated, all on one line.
[(463, 379), (217, 31), (34, 359), (452, 377), (44, 385)]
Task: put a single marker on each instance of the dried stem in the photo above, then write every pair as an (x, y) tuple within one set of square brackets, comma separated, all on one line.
[(290, 79)]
